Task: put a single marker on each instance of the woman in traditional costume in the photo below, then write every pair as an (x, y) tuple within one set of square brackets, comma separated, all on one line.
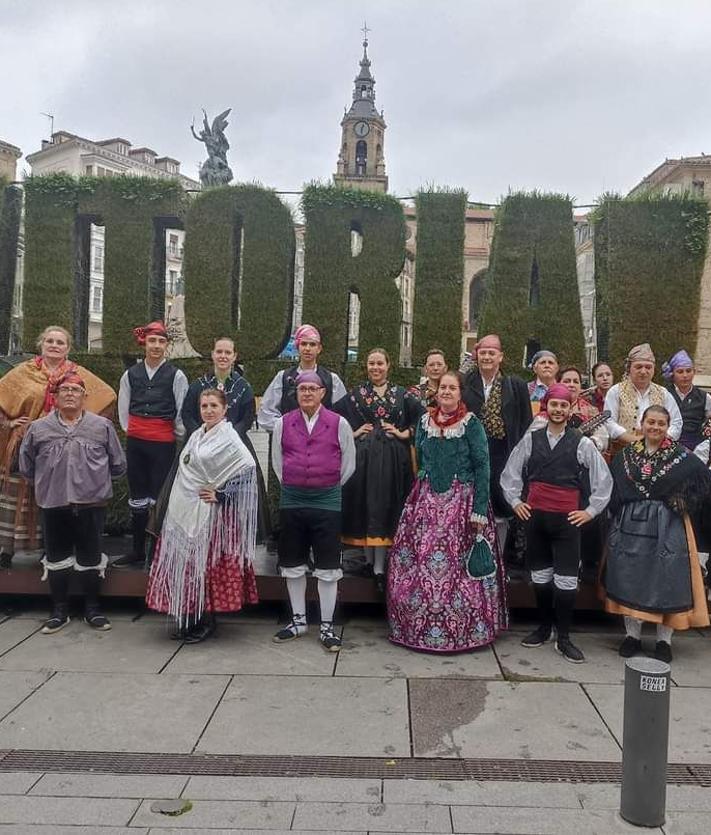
[(603, 378), (241, 411), (382, 416), (27, 393), (203, 561), (433, 602), (693, 402), (652, 571), (434, 367)]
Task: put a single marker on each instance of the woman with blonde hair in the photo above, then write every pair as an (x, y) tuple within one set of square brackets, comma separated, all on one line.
[(28, 392)]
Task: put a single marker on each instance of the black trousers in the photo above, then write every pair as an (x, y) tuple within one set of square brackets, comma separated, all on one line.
[(149, 463), (551, 541), (304, 528), (73, 530)]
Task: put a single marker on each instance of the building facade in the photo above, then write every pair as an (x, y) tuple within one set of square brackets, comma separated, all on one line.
[(9, 154), (78, 156)]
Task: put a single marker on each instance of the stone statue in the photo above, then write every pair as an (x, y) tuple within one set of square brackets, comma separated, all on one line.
[(214, 171)]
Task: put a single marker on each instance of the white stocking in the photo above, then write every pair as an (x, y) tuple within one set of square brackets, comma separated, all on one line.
[(296, 587), (379, 553), (664, 633), (327, 593), (633, 627)]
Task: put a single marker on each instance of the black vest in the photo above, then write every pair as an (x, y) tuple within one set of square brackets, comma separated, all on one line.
[(692, 408), (558, 466), (152, 398), (288, 388)]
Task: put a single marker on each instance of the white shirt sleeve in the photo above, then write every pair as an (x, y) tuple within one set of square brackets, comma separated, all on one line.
[(276, 447), (180, 389), (269, 413), (348, 453), (512, 477), (612, 405), (600, 476), (677, 421), (707, 407), (339, 390), (702, 452), (124, 400)]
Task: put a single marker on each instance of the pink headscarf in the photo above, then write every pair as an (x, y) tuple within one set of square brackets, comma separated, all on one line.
[(309, 377), (307, 332), (557, 392), (489, 341)]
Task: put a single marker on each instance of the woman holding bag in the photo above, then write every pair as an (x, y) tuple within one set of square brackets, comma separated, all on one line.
[(446, 582)]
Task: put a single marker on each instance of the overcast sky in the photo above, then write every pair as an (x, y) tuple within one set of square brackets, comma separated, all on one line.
[(578, 96)]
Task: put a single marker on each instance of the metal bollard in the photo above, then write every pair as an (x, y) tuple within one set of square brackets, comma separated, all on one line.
[(645, 741)]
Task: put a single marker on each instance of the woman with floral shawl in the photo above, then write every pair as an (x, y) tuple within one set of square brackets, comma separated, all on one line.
[(27, 393), (203, 560), (433, 602)]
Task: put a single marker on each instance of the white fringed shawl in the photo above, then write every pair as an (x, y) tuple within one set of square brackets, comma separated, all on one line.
[(195, 531)]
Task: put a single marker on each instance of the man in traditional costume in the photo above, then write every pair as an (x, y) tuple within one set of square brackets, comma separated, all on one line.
[(502, 404), (313, 455), (544, 365), (71, 456), (694, 403), (549, 501), (652, 571), (28, 392), (150, 400), (627, 401)]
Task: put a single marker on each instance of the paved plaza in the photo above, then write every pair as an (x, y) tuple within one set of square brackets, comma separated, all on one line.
[(133, 690)]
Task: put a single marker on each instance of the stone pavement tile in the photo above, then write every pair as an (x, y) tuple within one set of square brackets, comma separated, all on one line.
[(679, 798), (354, 717), (391, 817), (248, 649), (481, 820), (70, 811), (127, 647), (53, 829), (506, 719), (18, 782), (687, 823), (481, 793), (691, 667), (368, 652), (603, 664), (160, 831), (94, 712), (110, 785), (283, 788), (233, 815), (14, 687), (690, 722), (15, 630)]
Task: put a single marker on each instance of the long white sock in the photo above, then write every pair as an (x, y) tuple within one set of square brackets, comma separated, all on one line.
[(327, 593), (379, 553), (664, 633), (502, 528), (633, 627), (369, 552), (296, 587)]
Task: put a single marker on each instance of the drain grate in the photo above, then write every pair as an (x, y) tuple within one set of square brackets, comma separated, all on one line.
[(233, 765)]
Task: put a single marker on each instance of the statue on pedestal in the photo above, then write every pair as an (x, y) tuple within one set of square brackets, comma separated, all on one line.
[(214, 171)]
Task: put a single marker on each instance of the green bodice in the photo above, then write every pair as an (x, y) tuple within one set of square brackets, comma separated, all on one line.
[(463, 456)]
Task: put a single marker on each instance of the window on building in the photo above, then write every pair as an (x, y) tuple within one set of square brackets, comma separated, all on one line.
[(121, 148), (361, 157), (89, 170), (98, 265), (173, 245), (96, 298), (172, 282)]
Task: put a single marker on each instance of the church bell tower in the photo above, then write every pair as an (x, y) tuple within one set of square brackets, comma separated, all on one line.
[(361, 161)]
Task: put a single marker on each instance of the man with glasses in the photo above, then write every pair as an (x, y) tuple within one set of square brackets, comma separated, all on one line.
[(313, 455), (71, 456)]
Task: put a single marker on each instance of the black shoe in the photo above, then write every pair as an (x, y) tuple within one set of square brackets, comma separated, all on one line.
[(630, 647), (329, 640), (201, 631), (538, 637), (662, 652), (56, 621), (97, 621), (380, 584), (129, 561), (294, 629), (5, 560), (565, 647)]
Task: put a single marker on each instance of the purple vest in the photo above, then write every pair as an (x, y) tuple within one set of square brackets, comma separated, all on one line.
[(311, 460)]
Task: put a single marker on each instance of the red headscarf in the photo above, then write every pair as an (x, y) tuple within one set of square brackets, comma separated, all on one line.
[(73, 378), (557, 392), (53, 380), (152, 329)]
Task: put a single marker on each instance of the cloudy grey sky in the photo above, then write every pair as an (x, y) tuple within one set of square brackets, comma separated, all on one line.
[(578, 96)]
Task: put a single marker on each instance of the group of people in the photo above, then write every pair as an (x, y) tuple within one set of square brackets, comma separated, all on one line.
[(429, 481)]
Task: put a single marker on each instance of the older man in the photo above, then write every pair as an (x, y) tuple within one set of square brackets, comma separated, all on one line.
[(545, 366), (72, 456), (313, 455), (627, 401), (502, 404)]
